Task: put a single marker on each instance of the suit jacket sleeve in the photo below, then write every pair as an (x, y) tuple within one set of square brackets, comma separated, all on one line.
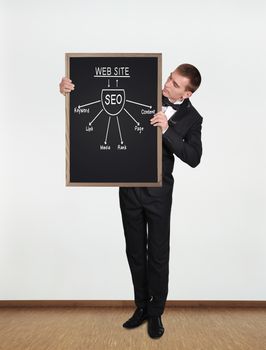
[(187, 148)]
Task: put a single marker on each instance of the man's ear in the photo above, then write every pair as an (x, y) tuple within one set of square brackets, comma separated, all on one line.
[(187, 94)]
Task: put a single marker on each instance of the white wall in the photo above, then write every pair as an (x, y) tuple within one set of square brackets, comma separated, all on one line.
[(68, 243)]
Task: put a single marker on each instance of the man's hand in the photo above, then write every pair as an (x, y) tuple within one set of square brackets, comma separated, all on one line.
[(159, 119), (66, 86)]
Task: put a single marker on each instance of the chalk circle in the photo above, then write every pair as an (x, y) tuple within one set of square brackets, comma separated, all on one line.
[(113, 101)]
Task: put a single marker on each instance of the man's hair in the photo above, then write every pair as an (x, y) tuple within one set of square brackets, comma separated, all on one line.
[(192, 73)]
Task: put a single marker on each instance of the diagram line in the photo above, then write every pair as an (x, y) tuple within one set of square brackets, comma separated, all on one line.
[(105, 141), (91, 103), (131, 117), (136, 103), (111, 76), (119, 130), (96, 117)]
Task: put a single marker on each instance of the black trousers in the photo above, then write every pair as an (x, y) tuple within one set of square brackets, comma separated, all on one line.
[(146, 221)]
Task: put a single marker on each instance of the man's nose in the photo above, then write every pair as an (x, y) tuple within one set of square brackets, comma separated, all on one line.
[(168, 83)]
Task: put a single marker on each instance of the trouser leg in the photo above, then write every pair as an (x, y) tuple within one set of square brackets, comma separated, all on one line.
[(157, 211), (135, 231)]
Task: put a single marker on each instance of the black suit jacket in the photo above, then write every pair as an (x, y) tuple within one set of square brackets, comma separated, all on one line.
[(183, 139)]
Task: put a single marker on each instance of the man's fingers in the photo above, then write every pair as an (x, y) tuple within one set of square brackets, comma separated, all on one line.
[(160, 113), (68, 86), (158, 124), (66, 83), (67, 80), (159, 119), (156, 119)]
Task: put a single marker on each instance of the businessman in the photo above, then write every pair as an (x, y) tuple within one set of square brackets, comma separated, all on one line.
[(146, 210)]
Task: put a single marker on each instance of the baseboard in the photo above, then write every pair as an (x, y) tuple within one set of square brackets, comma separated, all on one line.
[(130, 303)]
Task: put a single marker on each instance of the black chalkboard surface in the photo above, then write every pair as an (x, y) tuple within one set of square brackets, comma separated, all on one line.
[(109, 138)]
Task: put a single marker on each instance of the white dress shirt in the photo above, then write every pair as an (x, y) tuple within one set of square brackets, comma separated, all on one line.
[(169, 111)]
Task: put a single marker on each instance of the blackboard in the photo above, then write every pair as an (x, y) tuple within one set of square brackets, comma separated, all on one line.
[(109, 138)]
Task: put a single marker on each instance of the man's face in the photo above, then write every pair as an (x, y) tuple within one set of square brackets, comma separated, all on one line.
[(175, 87)]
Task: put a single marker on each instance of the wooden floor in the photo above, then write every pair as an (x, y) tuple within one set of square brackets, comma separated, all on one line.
[(99, 328)]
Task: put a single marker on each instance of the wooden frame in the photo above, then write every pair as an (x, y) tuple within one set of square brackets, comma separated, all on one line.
[(158, 182)]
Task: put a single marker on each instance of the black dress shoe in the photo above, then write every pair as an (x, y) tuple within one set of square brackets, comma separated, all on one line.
[(155, 327), (137, 319)]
